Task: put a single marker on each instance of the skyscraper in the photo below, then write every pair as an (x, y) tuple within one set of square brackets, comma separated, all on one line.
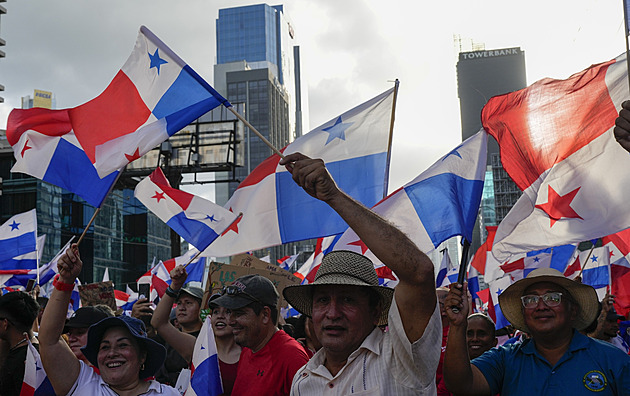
[(258, 65), (481, 75)]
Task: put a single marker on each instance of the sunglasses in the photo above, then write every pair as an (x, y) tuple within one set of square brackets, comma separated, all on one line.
[(552, 299), (233, 290)]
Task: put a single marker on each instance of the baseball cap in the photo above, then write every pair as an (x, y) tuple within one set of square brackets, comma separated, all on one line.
[(85, 317), (246, 290), (193, 291)]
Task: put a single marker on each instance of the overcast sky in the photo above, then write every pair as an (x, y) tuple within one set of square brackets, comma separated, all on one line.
[(352, 50)]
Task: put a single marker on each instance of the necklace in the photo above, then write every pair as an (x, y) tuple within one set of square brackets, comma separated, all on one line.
[(18, 344)]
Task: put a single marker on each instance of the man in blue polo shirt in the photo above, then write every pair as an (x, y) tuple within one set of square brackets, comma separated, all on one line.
[(556, 360)]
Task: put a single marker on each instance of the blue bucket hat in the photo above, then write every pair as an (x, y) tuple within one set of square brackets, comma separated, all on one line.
[(156, 353)]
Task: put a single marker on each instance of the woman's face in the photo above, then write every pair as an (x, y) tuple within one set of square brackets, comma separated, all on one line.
[(219, 322), (119, 358)]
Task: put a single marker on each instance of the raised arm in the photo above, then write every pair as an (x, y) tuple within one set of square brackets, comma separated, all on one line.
[(415, 293), (622, 126), (60, 364), (182, 342), (460, 376)]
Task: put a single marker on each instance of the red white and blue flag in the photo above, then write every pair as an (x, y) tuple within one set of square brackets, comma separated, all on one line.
[(195, 219), (619, 250), (447, 273), (18, 236), (276, 210), (557, 144), (35, 382), (308, 270), (205, 376), (159, 278), (440, 203), (153, 96), (497, 287)]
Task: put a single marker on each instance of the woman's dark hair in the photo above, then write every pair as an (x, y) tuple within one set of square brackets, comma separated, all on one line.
[(20, 309)]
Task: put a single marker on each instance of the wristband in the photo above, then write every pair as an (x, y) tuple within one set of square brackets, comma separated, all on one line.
[(172, 292), (61, 286)]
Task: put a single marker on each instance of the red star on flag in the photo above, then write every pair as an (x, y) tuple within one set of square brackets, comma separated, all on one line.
[(361, 245), (610, 254), (134, 156), (158, 196), (233, 226), (26, 147), (559, 206)]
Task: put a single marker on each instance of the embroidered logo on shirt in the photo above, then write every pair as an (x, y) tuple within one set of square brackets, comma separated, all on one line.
[(595, 381)]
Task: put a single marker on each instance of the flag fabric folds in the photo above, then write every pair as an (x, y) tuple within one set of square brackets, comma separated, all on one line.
[(195, 219), (45, 147), (557, 144), (276, 210), (497, 287), (619, 250), (154, 95), (440, 203), (35, 382), (205, 375), (18, 236), (159, 278), (81, 149)]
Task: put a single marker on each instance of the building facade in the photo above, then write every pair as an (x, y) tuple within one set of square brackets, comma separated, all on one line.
[(481, 75), (258, 65)]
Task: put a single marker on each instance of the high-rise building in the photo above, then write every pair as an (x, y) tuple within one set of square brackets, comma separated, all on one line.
[(258, 65), (482, 74), (2, 43)]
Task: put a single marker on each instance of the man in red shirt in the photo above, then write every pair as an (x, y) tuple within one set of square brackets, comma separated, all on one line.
[(270, 357)]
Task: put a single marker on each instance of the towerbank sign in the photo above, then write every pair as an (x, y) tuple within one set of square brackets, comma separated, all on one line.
[(489, 54)]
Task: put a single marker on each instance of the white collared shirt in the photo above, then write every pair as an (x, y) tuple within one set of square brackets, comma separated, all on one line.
[(384, 364), (90, 383)]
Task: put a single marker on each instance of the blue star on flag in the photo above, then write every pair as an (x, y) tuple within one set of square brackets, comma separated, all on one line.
[(499, 291), (156, 61), (454, 152), (594, 259), (337, 131), (15, 225), (536, 259), (211, 218)]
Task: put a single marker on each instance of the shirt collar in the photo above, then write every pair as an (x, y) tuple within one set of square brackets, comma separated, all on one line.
[(578, 341), (372, 343)]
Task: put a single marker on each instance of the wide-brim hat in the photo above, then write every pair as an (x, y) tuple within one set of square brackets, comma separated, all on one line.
[(156, 353), (584, 295), (340, 267)]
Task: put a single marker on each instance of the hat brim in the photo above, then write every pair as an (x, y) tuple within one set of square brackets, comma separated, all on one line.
[(233, 302), (301, 296), (156, 353), (584, 295)]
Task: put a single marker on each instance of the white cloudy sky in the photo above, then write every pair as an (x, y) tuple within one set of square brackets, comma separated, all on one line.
[(352, 50)]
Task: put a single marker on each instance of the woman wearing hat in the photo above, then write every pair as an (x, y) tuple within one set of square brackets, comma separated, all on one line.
[(118, 346)]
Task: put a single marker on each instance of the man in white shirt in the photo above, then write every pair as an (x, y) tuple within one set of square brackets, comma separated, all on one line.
[(347, 305)]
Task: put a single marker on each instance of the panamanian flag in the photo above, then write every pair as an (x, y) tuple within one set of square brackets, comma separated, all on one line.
[(18, 236), (205, 376), (153, 96)]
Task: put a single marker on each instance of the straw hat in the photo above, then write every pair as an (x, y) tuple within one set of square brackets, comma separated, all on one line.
[(584, 295), (341, 267)]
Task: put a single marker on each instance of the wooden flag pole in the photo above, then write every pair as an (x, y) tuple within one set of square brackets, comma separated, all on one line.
[(99, 208), (391, 136), (586, 261), (247, 124)]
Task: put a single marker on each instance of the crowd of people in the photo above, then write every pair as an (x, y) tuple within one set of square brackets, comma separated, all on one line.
[(352, 335)]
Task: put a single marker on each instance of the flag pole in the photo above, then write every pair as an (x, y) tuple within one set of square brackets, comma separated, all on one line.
[(463, 264), (267, 142), (586, 261), (199, 252), (99, 208), (625, 22), (391, 136)]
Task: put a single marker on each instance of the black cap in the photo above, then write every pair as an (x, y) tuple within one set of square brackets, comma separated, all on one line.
[(85, 317), (248, 289), (613, 315)]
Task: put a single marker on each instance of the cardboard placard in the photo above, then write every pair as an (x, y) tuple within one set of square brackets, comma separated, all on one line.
[(221, 275), (98, 293)]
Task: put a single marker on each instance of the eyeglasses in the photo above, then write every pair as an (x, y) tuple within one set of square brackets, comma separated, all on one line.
[(234, 290), (552, 299)]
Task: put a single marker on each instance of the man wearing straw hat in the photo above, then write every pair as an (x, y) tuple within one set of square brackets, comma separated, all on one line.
[(347, 305), (557, 359)]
